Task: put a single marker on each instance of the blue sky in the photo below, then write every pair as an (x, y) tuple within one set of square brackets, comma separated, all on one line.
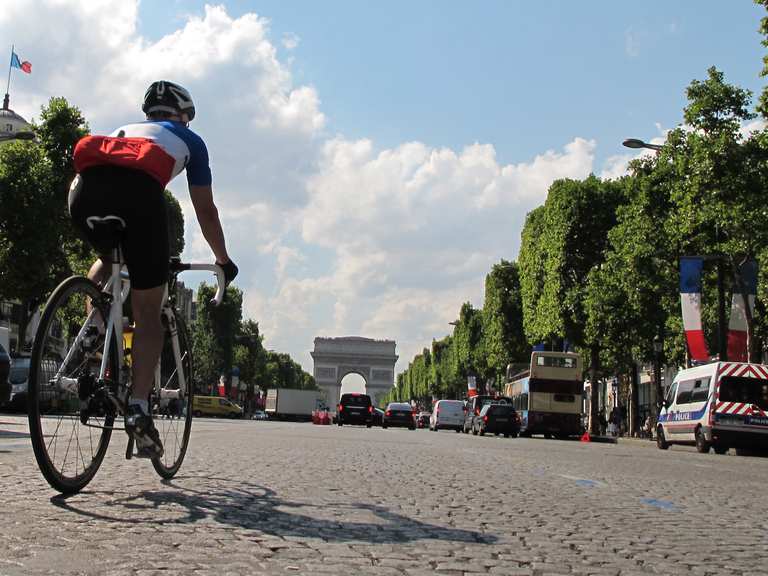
[(525, 76), (373, 160)]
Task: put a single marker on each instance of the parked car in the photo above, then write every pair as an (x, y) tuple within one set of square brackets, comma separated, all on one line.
[(447, 414), (497, 418), (355, 408), (215, 406), (18, 378), (717, 406), (259, 415), (5, 368), (378, 416), (422, 420), (475, 405), (399, 414)]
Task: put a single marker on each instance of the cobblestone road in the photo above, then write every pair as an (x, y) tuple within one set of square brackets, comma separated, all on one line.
[(281, 498)]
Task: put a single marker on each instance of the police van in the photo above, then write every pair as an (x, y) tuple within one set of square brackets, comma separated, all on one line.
[(720, 406)]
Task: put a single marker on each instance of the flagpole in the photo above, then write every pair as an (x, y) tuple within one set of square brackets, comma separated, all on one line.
[(8, 86)]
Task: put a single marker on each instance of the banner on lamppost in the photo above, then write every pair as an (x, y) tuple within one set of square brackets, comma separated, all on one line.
[(690, 299), (471, 386)]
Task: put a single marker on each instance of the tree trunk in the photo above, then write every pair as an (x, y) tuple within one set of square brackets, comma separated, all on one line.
[(634, 425), (23, 321), (594, 394)]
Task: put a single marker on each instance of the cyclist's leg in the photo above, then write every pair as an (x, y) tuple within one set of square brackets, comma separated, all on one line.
[(146, 252), (147, 338)]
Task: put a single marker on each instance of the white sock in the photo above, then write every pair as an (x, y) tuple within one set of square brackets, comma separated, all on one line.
[(142, 404)]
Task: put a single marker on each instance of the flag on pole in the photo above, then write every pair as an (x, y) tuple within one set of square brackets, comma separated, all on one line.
[(24, 66), (690, 297), (737, 326)]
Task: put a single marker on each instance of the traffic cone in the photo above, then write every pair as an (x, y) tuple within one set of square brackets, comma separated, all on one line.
[(585, 437)]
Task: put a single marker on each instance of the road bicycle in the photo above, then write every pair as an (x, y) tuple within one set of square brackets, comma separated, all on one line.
[(79, 379)]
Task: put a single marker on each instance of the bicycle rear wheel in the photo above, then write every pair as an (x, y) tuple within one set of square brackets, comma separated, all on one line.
[(66, 358), (172, 406)]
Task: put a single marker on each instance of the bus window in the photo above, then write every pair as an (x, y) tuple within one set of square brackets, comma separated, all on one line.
[(556, 361)]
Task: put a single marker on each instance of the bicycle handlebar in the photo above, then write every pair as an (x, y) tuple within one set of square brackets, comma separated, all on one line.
[(215, 268)]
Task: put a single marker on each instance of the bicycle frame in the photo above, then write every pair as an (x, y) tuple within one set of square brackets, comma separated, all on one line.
[(118, 287)]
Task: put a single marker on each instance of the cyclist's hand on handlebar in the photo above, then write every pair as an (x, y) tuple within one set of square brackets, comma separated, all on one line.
[(230, 271)]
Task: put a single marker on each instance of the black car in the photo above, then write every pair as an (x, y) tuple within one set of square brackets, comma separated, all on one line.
[(497, 418), (378, 416), (399, 414), (474, 405), (5, 368), (355, 409)]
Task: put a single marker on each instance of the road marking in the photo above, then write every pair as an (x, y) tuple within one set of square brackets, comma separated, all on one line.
[(663, 504), (586, 482)]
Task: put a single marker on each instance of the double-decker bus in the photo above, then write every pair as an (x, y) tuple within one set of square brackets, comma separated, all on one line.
[(548, 396)]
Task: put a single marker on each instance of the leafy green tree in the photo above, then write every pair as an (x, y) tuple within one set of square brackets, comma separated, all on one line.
[(175, 224), (61, 126), (213, 335), (717, 187), (31, 260), (569, 237), (503, 337)]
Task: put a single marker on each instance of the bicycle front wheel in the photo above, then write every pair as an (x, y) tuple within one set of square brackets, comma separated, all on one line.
[(66, 357), (172, 399)]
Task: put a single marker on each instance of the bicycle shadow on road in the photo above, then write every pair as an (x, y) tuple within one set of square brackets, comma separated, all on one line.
[(254, 507)]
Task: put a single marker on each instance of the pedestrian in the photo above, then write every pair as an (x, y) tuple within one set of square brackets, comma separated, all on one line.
[(648, 427)]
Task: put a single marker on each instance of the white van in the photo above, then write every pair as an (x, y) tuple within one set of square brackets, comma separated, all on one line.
[(720, 405), (447, 414)]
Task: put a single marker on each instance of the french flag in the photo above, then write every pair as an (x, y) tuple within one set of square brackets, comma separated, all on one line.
[(690, 298), (737, 325)]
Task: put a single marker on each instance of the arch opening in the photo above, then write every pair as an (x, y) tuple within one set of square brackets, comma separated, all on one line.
[(353, 383)]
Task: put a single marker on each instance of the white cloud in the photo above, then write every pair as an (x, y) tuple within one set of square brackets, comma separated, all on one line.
[(333, 236), (631, 43), (290, 41)]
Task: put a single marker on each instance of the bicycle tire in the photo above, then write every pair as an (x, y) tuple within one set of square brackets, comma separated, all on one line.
[(54, 412), (174, 435)]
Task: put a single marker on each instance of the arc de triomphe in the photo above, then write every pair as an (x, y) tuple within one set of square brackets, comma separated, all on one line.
[(334, 358)]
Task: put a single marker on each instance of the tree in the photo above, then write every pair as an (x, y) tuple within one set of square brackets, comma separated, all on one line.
[(213, 334), (60, 128), (567, 240), (31, 259), (175, 224), (503, 337)]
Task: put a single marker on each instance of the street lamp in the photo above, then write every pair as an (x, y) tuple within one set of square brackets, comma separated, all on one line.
[(658, 348), (637, 143)]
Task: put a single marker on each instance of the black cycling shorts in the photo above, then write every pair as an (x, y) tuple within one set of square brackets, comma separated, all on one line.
[(139, 200)]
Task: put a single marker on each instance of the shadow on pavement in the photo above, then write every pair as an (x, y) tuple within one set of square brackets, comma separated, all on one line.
[(254, 507)]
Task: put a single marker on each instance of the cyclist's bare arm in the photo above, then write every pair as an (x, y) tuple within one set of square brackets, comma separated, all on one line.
[(208, 218)]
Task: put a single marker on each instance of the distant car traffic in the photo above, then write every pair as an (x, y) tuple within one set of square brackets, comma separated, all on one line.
[(259, 415), (355, 409), (399, 414), (378, 416), (18, 378), (215, 406), (497, 418), (447, 414), (422, 420)]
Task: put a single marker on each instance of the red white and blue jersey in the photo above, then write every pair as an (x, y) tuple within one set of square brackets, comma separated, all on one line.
[(162, 149)]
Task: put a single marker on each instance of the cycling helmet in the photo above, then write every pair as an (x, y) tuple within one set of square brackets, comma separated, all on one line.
[(164, 96)]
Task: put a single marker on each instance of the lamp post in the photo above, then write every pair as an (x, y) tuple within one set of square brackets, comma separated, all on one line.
[(637, 143), (658, 348)]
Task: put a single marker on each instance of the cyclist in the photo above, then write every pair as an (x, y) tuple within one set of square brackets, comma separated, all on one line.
[(124, 175)]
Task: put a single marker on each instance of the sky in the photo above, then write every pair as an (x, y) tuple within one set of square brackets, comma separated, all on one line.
[(373, 160)]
